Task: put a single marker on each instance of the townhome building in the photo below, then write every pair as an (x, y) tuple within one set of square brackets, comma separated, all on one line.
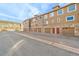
[(39, 23), (61, 20), (65, 20)]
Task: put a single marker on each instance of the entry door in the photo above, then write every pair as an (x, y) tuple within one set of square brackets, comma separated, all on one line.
[(57, 30), (53, 30)]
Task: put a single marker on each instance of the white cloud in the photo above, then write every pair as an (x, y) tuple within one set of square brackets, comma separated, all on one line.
[(21, 11), (28, 11), (5, 15), (10, 9)]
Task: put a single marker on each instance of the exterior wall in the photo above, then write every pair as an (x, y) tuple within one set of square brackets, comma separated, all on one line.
[(46, 23), (21, 27), (78, 6), (68, 28), (33, 24), (26, 25), (56, 24), (77, 25), (39, 23), (68, 31)]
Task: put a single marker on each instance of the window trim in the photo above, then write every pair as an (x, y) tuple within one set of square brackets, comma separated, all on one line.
[(70, 20), (72, 10), (62, 12)]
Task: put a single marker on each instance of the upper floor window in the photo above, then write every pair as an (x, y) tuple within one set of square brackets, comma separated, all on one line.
[(70, 18), (46, 22), (45, 17), (52, 14), (60, 12), (72, 8)]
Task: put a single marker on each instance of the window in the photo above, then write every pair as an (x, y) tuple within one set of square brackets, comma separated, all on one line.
[(70, 18), (60, 12), (45, 17), (72, 8), (46, 22), (52, 14)]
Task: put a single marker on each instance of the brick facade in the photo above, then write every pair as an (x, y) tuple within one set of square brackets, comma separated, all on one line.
[(57, 22)]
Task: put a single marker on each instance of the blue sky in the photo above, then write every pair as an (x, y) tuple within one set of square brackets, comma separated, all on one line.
[(18, 12)]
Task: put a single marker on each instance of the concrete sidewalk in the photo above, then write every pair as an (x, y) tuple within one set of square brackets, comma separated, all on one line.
[(66, 40)]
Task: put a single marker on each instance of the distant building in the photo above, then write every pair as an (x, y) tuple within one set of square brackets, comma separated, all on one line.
[(27, 25), (9, 26), (62, 20)]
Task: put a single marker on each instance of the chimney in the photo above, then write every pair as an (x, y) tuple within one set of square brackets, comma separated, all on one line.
[(56, 7)]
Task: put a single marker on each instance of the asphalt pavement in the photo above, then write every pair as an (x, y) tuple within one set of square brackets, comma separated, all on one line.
[(12, 44)]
